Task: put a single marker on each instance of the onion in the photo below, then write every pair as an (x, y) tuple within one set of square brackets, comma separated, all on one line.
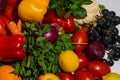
[(52, 35), (95, 51)]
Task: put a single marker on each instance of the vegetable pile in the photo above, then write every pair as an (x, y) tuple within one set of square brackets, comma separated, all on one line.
[(57, 40)]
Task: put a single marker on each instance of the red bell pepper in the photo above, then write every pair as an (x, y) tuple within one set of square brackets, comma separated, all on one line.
[(11, 48), (67, 23), (12, 55)]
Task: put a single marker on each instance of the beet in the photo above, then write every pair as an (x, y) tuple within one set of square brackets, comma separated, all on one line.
[(95, 51)]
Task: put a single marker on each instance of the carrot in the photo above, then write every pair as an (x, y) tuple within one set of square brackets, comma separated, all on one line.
[(15, 28)]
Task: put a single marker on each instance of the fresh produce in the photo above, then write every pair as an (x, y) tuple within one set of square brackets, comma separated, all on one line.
[(4, 19), (73, 7), (68, 61), (92, 13), (13, 3), (54, 44), (83, 75), (80, 39), (83, 60), (11, 48), (95, 51), (112, 76), (107, 33), (66, 24), (48, 76), (98, 68), (11, 12), (3, 22), (15, 28), (6, 73), (42, 55), (34, 11), (52, 35), (3, 31), (66, 76)]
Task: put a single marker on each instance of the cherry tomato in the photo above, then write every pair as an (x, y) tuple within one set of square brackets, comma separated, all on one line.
[(2, 28), (98, 68), (83, 75), (79, 38), (83, 60), (65, 76)]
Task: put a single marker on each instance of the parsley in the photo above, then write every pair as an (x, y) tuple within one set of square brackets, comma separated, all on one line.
[(42, 55)]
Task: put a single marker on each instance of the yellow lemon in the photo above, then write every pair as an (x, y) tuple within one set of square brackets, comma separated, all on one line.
[(68, 61), (48, 76), (111, 76)]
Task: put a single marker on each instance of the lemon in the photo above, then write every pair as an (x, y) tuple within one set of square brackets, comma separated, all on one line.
[(111, 76), (51, 77), (68, 61), (48, 76)]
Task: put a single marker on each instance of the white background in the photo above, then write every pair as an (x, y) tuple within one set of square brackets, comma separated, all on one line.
[(113, 5)]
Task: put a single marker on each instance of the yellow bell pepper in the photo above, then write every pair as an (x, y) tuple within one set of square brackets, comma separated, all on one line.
[(32, 10)]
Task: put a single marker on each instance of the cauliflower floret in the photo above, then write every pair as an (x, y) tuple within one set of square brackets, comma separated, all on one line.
[(92, 11)]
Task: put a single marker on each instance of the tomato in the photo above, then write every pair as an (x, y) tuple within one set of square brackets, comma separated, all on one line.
[(2, 28), (98, 68), (65, 76), (79, 38), (83, 60), (83, 75)]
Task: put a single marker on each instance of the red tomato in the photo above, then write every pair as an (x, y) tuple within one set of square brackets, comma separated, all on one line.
[(98, 68), (83, 75), (2, 28), (65, 76), (83, 60), (80, 37)]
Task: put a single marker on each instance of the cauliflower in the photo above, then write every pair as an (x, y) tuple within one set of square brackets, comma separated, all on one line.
[(92, 11)]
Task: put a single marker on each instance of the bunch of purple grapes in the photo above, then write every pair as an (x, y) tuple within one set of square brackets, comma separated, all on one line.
[(106, 31)]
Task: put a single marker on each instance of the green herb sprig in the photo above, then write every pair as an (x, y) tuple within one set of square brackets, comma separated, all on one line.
[(73, 7), (42, 55)]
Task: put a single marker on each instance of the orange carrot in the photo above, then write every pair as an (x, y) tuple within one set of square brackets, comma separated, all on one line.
[(15, 28)]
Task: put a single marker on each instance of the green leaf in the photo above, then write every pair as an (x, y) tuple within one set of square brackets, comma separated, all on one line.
[(67, 14), (79, 13), (46, 28), (59, 11)]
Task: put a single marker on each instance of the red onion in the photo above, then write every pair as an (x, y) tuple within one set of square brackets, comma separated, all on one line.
[(52, 35), (95, 51)]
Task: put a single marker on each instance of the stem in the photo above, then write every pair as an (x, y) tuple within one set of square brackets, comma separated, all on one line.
[(80, 43)]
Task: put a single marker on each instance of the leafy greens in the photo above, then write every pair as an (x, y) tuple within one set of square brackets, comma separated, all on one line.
[(73, 7)]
